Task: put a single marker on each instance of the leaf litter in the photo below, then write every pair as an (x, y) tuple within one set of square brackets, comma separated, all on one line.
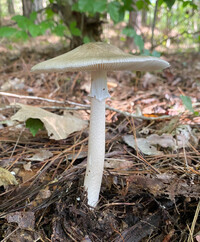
[(145, 195)]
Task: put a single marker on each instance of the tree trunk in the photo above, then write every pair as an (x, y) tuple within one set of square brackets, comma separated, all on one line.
[(135, 23), (30, 6), (11, 9), (38, 5), (144, 17), (27, 7), (89, 26), (0, 13), (154, 24)]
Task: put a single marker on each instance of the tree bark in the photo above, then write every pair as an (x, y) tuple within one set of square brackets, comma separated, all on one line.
[(154, 24), (11, 9), (144, 17), (27, 7), (89, 26), (0, 13), (135, 23), (37, 5)]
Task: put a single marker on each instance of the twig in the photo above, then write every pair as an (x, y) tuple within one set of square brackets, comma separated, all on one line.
[(15, 148), (174, 37), (40, 98), (126, 114), (190, 238), (143, 161), (8, 236), (50, 107)]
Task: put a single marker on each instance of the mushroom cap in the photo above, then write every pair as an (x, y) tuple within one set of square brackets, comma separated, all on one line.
[(97, 56)]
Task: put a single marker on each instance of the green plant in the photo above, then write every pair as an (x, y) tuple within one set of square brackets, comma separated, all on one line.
[(139, 42), (187, 102), (26, 27), (34, 125)]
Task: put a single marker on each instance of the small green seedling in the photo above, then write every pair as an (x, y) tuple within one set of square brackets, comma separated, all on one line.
[(187, 102), (34, 125)]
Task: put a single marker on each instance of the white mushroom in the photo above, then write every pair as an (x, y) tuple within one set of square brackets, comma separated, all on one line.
[(98, 58)]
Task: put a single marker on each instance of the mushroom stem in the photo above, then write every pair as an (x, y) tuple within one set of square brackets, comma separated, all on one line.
[(96, 146), (99, 87)]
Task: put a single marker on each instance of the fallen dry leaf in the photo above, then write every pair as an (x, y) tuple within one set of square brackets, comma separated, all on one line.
[(197, 238), (149, 79), (22, 235), (112, 163), (7, 178), (41, 155), (167, 184), (58, 127), (16, 84), (164, 140), (179, 139), (185, 135), (27, 166), (142, 144), (25, 220), (27, 174), (41, 196)]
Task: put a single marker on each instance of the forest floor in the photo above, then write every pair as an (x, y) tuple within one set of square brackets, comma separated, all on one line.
[(151, 183)]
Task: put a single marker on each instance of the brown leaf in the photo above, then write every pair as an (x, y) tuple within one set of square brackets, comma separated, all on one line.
[(117, 164), (25, 220), (22, 235), (58, 127), (142, 144), (7, 178), (41, 155)]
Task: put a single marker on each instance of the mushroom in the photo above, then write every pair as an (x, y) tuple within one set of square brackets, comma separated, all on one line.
[(98, 58)]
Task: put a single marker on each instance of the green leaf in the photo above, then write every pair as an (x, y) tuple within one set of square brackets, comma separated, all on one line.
[(85, 5), (34, 30), (59, 30), (129, 32), (21, 35), (169, 3), (43, 26), (187, 102), (191, 4), (140, 4), (121, 14), (99, 6), (49, 13), (146, 52), (7, 32), (34, 125), (86, 39), (75, 7), (128, 5), (113, 10), (160, 2), (138, 40), (33, 16), (156, 53), (74, 30), (22, 22)]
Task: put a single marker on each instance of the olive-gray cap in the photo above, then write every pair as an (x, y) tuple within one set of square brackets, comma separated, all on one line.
[(100, 56)]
